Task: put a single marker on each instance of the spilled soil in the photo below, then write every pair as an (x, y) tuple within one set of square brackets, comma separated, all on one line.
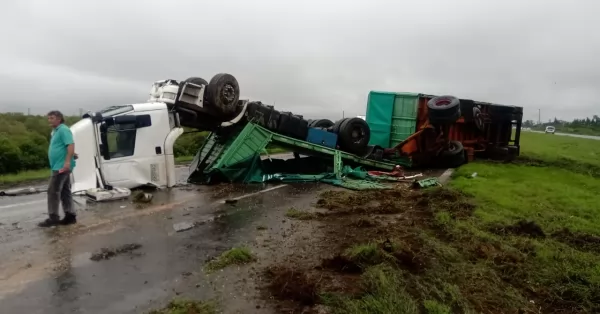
[(523, 228), (108, 253), (428, 240), (581, 241)]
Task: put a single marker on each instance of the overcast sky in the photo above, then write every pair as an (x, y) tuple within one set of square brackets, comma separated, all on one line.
[(316, 58)]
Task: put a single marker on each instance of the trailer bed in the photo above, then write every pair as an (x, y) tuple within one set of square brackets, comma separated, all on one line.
[(222, 151)]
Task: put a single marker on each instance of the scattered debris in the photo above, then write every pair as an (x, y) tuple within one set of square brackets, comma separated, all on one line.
[(183, 226), (425, 183), (261, 228), (21, 191), (231, 201), (108, 253), (142, 197)]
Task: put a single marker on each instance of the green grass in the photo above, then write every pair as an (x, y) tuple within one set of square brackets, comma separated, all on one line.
[(181, 306), (234, 256), (531, 244), (24, 176), (300, 214), (557, 148), (384, 287), (184, 159)]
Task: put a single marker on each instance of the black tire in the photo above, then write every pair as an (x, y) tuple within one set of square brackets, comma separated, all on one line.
[(354, 135), (443, 109), (321, 123), (454, 156), (222, 95), (335, 128)]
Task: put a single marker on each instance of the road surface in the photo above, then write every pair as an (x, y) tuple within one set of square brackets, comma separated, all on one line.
[(50, 271), (572, 135)]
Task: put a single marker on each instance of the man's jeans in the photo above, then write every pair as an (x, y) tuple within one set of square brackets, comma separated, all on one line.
[(59, 191)]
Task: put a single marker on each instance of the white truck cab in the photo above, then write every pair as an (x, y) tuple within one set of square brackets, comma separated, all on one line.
[(128, 146)]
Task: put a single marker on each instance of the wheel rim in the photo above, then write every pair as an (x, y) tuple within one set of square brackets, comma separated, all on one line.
[(357, 134), (228, 93), (442, 102)]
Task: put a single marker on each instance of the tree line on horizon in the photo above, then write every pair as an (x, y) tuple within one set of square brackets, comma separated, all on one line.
[(24, 141)]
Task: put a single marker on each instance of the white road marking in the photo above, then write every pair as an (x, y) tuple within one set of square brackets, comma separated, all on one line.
[(255, 193), (22, 204)]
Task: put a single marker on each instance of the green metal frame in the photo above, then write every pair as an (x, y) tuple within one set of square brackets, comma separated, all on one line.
[(254, 138)]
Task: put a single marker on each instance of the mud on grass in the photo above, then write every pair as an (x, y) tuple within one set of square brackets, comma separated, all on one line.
[(427, 252)]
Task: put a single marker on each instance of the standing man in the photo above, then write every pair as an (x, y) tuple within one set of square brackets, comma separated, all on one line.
[(61, 154)]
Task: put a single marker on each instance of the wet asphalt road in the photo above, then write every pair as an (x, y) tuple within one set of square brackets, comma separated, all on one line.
[(50, 271), (590, 137)]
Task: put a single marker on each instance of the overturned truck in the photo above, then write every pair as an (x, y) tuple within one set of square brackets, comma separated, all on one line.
[(132, 145)]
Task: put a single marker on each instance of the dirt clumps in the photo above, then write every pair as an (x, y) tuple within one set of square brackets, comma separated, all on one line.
[(290, 284), (456, 203), (342, 264), (108, 253), (364, 223), (521, 228), (366, 202), (581, 241)]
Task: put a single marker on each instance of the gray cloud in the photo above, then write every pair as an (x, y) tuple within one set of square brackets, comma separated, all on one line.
[(316, 58)]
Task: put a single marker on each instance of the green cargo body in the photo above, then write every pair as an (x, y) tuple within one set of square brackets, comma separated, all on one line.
[(253, 139), (392, 117)]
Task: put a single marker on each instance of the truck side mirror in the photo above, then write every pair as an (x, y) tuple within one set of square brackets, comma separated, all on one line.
[(104, 139)]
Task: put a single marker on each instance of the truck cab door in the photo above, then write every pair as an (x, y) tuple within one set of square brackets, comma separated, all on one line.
[(132, 149)]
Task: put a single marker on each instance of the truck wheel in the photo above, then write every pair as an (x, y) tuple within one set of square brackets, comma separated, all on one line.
[(443, 109), (454, 156), (335, 128), (354, 135), (222, 94), (321, 123)]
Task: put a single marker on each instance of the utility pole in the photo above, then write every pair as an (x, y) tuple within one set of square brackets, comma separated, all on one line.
[(539, 116), (343, 114), (28, 111)]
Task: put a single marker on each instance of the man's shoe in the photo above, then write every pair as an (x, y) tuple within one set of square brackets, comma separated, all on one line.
[(69, 219), (50, 222)]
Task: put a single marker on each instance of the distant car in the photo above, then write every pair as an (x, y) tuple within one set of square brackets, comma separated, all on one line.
[(550, 129)]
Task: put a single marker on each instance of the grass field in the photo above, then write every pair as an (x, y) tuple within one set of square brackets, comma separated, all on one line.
[(517, 238), (25, 176)]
